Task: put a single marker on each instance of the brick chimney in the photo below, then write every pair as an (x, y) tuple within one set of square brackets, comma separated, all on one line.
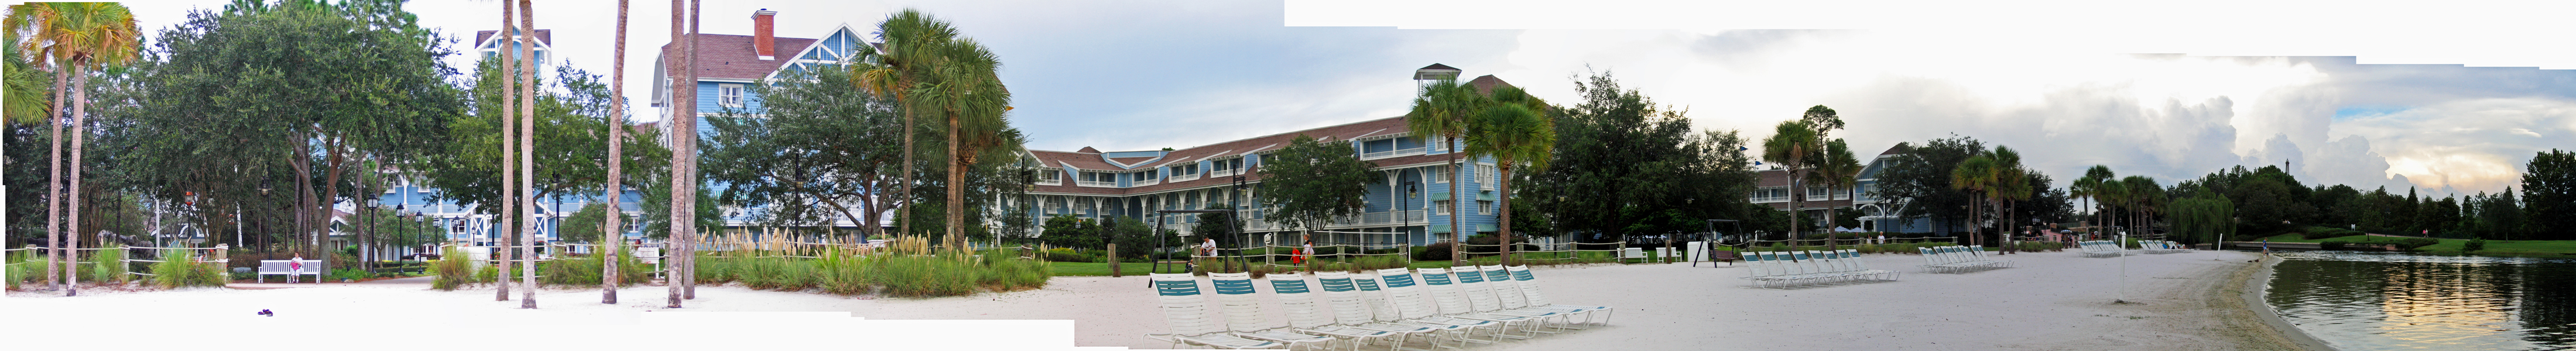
[(764, 37)]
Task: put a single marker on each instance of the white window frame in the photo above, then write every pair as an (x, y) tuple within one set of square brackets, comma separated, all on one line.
[(1439, 174), (1441, 207), (729, 95), (1484, 207), (1485, 173)]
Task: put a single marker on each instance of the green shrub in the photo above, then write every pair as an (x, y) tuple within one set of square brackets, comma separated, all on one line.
[(1438, 251), (773, 273), (2474, 245), (1008, 273), (177, 269), (583, 271), (924, 275), (715, 268), (489, 273), (348, 273), (106, 265), (839, 274), (1067, 255), (21, 272), (453, 268)]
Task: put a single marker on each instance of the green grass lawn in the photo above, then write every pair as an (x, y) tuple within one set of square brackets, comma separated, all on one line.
[(2452, 246)]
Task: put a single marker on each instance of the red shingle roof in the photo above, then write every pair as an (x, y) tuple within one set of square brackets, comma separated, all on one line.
[(1486, 84), (726, 56)]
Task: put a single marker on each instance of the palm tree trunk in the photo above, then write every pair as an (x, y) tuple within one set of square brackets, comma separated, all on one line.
[(1504, 228), (1457, 215), (54, 184), (614, 235), (681, 98), (956, 187), (527, 154), (72, 200), (1833, 226), (507, 212), (689, 290)]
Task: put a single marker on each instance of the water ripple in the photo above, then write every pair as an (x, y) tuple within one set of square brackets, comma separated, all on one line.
[(2385, 301)]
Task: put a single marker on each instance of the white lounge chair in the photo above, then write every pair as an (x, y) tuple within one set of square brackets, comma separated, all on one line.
[(1508, 292), (1351, 309), (1298, 302), (1187, 311), (1243, 313), (1436, 282), (1529, 290), (1483, 303)]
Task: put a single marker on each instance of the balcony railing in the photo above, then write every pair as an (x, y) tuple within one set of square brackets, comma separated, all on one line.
[(1393, 153)]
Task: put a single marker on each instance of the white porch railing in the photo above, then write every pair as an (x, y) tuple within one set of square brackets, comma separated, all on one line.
[(1393, 153)]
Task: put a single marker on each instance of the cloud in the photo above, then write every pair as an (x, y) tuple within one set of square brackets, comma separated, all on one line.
[(2468, 145)]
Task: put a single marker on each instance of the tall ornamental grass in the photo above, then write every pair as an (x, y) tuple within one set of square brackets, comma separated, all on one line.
[(179, 269), (454, 270), (584, 271), (107, 265), (21, 271)]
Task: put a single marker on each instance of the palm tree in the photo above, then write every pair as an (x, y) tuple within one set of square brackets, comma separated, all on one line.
[(527, 230), (2011, 184), (27, 90), (1836, 168), (76, 37), (2091, 187), (932, 71), (684, 153), (616, 153), (1976, 175), (1440, 111), (1790, 145), (2143, 195), (1515, 135)]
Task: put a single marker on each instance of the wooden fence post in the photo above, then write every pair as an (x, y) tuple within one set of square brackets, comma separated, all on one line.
[(1113, 260)]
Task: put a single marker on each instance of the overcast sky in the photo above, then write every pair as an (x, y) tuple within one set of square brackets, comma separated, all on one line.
[(2170, 89)]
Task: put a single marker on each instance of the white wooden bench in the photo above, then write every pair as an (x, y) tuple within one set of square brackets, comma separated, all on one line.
[(285, 268)]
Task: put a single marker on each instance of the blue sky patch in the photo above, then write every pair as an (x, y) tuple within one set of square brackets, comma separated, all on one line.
[(2350, 112)]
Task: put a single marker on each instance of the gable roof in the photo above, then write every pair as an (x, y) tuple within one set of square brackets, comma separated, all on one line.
[(730, 57), (545, 37)]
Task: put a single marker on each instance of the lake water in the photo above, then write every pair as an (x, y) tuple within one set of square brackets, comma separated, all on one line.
[(2387, 301)]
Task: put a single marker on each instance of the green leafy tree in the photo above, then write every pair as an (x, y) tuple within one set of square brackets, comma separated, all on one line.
[(1219, 226), (1516, 136), (1439, 114), (587, 225), (1065, 230), (1920, 177), (1792, 144), (1622, 163), (822, 150), (2549, 195), (1977, 175), (2092, 188), (1310, 182), (943, 77), (2205, 215), (1836, 168)]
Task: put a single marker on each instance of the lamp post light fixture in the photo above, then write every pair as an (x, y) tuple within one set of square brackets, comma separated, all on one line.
[(366, 226)]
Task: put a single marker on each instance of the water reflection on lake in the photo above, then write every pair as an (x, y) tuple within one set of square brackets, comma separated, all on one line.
[(2386, 301)]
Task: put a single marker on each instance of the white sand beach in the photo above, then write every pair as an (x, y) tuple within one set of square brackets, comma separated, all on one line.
[(2052, 301)]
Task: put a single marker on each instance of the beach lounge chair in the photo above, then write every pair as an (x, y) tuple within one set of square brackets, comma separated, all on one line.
[(1243, 313), (1298, 302), (1187, 311), (1774, 268), (1351, 309), (1529, 290), (1509, 293), (1405, 295), (1436, 283), (1484, 303), (1850, 259)]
